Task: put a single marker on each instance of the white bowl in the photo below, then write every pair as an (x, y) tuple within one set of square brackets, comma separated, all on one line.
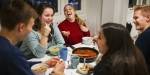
[(87, 40), (39, 69)]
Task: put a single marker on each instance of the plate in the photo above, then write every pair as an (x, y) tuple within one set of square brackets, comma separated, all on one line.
[(85, 68)]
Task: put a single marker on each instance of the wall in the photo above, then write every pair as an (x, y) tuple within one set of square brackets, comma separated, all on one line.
[(94, 15), (59, 16), (114, 11), (107, 11), (97, 12), (87, 13), (102, 11), (120, 11)]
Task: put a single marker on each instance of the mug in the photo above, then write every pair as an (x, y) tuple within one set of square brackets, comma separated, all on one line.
[(87, 40)]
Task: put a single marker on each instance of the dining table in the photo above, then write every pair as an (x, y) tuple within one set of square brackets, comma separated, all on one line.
[(68, 71)]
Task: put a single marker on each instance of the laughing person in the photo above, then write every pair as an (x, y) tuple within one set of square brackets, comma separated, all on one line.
[(73, 28)]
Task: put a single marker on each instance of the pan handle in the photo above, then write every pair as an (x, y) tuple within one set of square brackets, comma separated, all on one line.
[(71, 46)]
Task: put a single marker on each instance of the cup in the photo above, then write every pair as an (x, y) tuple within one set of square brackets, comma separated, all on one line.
[(74, 61), (87, 40), (63, 53)]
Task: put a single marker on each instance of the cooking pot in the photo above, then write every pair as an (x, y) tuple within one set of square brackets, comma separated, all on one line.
[(90, 54)]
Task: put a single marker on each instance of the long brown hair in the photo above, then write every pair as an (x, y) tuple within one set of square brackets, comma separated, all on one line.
[(124, 56), (40, 9)]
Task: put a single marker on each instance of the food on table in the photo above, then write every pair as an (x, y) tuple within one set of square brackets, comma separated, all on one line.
[(84, 69), (54, 50), (85, 53), (52, 62), (39, 68)]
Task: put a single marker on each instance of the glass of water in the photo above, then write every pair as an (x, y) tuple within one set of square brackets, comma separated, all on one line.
[(74, 61)]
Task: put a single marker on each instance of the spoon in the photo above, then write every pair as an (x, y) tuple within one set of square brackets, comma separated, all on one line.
[(84, 61)]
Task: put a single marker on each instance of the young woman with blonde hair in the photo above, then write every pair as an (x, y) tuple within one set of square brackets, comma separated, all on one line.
[(73, 28)]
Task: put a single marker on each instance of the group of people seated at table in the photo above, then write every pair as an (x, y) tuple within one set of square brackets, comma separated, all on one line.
[(46, 34), (120, 55)]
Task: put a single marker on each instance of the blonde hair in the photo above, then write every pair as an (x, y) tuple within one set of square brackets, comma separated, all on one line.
[(77, 18), (145, 9)]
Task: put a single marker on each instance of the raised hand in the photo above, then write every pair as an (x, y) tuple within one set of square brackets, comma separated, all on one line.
[(84, 28), (45, 29), (66, 33), (59, 68)]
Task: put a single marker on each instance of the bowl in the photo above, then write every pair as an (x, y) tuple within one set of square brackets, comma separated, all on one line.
[(54, 50), (39, 69), (84, 69), (87, 40)]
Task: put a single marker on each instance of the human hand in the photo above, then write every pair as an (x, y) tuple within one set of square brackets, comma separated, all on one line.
[(52, 62), (59, 68), (84, 28), (66, 33), (95, 38), (45, 29)]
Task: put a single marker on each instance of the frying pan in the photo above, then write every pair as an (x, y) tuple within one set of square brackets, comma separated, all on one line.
[(82, 56)]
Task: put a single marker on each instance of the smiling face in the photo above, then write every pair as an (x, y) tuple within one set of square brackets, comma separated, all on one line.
[(101, 41), (47, 16), (139, 20), (69, 12)]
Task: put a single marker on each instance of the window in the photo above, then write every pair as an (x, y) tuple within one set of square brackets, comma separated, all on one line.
[(75, 3), (35, 3), (132, 3), (138, 2)]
